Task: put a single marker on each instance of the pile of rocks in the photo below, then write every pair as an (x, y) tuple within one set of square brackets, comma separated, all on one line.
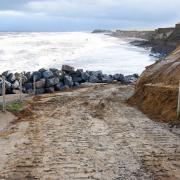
[(51, 80)]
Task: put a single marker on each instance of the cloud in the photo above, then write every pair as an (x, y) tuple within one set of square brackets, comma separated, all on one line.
[(12, 4), (140, 10), (23, 14), (11, 13), (85, 14)]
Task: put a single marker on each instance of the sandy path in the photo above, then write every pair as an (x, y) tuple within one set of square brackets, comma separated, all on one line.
[(90, 133)]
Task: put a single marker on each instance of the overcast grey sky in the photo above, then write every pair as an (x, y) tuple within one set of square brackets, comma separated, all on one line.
[(85, 15)]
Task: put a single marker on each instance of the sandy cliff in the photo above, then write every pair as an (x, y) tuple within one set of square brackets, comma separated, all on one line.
[(157, 89)]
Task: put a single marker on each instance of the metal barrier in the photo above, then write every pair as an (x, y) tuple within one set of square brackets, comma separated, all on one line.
[(4, 96)]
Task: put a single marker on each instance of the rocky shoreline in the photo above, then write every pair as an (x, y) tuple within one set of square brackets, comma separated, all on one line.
[(162, 41), (51, 80)]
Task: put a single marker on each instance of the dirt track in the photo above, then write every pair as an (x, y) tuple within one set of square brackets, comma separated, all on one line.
[(89, 133)]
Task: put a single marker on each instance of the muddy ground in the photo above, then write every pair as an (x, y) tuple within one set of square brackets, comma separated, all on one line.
[(88, 133)]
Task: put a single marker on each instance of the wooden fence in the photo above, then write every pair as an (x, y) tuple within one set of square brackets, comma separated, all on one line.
[(20, 98)]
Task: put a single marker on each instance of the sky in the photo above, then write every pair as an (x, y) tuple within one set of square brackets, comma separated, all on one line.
[(86, 15)]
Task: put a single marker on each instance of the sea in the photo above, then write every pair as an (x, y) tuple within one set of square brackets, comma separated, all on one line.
[(30, 51)]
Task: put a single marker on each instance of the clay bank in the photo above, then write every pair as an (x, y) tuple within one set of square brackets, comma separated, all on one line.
[(157, 88)]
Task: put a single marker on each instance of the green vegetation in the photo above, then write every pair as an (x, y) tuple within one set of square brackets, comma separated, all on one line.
[(14, 107)]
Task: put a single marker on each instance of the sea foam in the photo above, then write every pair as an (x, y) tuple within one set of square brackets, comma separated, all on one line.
[(32, 51)]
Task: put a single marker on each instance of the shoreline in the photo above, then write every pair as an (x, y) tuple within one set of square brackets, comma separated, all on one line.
[(142, 43), (162, 41), (90, 52)]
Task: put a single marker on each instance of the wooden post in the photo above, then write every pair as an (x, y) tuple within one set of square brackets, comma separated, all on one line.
[(20, 95), (178, 108), (4, 93), (34, 84)]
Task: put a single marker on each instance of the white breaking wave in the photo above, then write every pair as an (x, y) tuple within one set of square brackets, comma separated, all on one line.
[(32, 51)]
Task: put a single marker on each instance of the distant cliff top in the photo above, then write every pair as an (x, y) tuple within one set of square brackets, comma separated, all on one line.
[(143, 34), (101, 31)]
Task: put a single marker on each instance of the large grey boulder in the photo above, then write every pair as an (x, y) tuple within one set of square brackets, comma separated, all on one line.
[(80, 76), (61, 78), (11, 78), (85, 76), (47, 74), (56, 80), (76, 77), (16, 84), (136, 75), (68, 81), (66, 87), (94, 79), (37, 75), (17, 75), (76, 84), (106, 79), (28, 76), (68, 69), (40, 91), (95, 73), (49, 90), (28, 86), (42, 70), (6, 73), (95, 76), (130, 78), (52, 81), (56, 72), (59, 86), (40, 84), (119, 77)]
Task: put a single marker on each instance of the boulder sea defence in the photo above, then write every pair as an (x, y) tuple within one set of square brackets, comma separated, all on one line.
[(51, 80)]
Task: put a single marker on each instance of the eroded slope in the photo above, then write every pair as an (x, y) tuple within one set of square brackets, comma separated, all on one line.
[(157, 89)]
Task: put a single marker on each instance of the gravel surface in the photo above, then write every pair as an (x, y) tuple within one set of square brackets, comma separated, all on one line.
[(88, 133)]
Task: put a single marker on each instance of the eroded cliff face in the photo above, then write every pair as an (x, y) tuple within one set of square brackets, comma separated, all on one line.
[(165, 40), (147, 35), (157, 88)]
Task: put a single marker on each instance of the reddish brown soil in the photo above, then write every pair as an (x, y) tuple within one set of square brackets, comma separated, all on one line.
[(157, 101), (156, 91)]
